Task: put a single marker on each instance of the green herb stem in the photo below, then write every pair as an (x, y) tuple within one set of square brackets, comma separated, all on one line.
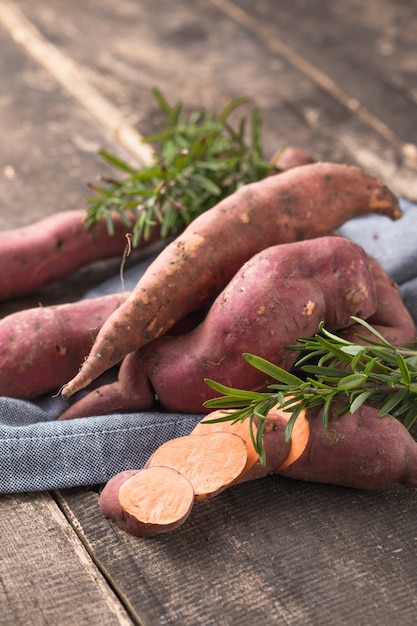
[(373, 371), (199, 159)]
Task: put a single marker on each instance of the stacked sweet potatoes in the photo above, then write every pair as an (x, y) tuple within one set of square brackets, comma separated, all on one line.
[(188, 276), (253, 274)]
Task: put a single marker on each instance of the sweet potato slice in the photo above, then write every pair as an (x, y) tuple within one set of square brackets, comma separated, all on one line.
[(152, 501), (276, 448), (211, 462)]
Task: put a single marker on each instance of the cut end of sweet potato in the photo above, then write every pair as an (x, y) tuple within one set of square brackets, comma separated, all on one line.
[(211, 462), (299, 437), (153, 501), (237, 428)]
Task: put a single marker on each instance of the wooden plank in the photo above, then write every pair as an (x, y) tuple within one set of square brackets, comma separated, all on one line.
[(271, 552), (203, 55), (48, 145), (47, 577), (48, 153), (366, 49)]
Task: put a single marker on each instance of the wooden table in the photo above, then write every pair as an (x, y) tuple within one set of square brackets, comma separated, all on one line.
[(338, 79)]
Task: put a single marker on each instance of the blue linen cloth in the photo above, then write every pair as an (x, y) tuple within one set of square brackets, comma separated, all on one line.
[(39, 453)]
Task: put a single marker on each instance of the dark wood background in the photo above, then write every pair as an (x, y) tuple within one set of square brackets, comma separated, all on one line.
[(338, 79)]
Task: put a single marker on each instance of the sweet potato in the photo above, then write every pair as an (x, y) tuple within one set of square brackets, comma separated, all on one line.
[(42, 347), (197, 457), (360, 451), (302, 203), (279, 295), (50, 249), (392, 319), (109, 497), (274, 428), (148, 502), (291, 157), (159, 498)]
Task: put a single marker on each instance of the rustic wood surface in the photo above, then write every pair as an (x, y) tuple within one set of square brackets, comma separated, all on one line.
[(338, 79)]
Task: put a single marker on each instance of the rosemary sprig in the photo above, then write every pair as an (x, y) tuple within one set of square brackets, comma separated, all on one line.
[(198, 160), (330, 367)]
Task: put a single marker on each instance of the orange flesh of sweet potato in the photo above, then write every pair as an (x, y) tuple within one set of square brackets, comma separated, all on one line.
[(154, 500), (211, 462), (302, 203), (109, 497), (276, 449), (241, 429), (299, 438)]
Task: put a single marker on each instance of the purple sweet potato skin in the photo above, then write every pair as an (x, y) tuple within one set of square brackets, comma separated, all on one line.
[(41, 347), (302, 203), (109, 497), (391, 318), (362, 450), (281, 294), (52, 248)]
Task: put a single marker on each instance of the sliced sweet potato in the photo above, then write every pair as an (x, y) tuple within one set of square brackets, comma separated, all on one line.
[(149, 501), (211, 462)]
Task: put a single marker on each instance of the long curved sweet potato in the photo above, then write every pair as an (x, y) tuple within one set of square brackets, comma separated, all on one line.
[(278, 296), (42, 347), (50, 249), (302, 203), (361, 451)]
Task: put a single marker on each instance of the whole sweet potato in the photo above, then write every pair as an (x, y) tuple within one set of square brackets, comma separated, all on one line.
[(50, 249), (42, 347), (302, 203)]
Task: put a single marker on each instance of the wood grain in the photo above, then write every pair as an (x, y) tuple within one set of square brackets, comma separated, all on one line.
[(270, 552), (47, 578)]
